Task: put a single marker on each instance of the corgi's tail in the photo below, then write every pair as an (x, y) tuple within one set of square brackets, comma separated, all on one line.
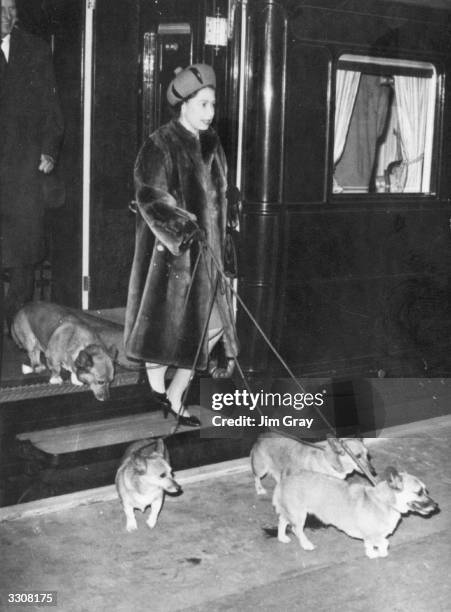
[(14, 335), (259, 463), (276, 498), (252, 460)]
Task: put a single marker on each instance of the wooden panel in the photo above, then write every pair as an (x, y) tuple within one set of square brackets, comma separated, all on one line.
[(369, 285), (306, 123), (374, 24)]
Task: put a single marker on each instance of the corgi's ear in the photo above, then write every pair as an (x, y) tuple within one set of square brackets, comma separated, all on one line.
[(335, 445), (159, 448), (334, 459), (393, 478), (286, 471), (139, 462), (112, 352), (84, 360)]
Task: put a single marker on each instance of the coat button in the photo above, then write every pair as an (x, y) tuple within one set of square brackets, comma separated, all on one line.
[(160, 247)]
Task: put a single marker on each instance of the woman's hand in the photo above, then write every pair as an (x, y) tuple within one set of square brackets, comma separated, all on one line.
[(191, 233)]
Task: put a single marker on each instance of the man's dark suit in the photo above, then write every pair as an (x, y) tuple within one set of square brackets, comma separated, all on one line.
[(30, 125)]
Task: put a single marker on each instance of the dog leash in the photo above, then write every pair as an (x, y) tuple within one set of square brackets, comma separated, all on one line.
[(342, 443), (201, 255), (204, 247)]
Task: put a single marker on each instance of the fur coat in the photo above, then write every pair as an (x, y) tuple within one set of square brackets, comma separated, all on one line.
[(169, 298)]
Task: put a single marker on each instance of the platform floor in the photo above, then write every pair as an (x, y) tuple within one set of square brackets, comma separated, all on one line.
[(210, 551)]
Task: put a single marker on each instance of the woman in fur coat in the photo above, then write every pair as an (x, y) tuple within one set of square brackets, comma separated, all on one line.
[(177, 301)]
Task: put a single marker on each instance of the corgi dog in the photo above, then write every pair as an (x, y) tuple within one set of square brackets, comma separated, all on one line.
[(142, 480), (67, 343), (273, 454), (359, 510)]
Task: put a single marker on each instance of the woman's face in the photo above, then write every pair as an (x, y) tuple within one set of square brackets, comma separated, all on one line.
[(197, 113)]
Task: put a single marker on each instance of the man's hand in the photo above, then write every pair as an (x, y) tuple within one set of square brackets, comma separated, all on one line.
[(47, 163)]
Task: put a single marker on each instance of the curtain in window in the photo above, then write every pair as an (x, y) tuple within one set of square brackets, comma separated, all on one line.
[(346, 92), (355, 170), (412, 98), (390, 149)]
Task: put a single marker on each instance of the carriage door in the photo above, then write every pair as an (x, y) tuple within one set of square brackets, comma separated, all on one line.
[(163, 50)]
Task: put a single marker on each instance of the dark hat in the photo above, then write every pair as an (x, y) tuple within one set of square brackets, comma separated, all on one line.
[(190, 80)]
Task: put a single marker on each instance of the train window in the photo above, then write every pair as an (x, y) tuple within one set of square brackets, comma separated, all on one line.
[(384, 125)]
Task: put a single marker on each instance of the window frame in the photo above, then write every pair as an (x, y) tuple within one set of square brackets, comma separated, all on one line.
[(383, 65)]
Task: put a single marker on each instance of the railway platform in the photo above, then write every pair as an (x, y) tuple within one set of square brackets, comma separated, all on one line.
[(212, 548)]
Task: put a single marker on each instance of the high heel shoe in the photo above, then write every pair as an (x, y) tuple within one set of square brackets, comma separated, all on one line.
[(161, 399), (188, 421)]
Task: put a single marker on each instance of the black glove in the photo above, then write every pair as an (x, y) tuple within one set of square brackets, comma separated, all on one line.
[(191, 233), (233, 207)]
